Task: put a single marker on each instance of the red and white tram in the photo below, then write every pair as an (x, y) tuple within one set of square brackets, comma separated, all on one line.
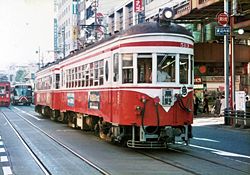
[(135, 88), (4, 93)]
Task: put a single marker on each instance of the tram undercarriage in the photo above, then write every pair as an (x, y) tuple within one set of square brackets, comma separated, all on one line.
[(130, 136)]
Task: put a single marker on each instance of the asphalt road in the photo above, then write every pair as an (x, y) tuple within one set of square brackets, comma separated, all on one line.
[(222, 147)]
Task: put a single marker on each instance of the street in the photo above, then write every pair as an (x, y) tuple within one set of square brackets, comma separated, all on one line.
[(214, 149)]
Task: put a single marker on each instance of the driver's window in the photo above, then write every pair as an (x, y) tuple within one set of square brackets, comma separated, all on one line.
[(166, 68)]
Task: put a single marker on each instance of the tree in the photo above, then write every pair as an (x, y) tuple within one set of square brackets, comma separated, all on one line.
[(20, 75)]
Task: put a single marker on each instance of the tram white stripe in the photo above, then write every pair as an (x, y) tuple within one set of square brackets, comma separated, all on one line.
[(28, 114), (1, 143), (220, 152), (7, 170), (2, 150), (4, 159)]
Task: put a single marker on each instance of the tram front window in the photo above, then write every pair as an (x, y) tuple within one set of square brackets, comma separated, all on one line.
[(2, 89), (165, 68)]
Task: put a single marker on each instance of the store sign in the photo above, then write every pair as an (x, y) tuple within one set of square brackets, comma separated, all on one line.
[(240, 100), (137, 6)]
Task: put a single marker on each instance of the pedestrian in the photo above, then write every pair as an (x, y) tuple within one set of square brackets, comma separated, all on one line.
[(205, 105), (223, 105), (217, 106), (196, 104)]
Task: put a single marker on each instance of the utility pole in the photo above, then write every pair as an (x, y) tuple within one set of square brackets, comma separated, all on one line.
[(38, 52), (226, 69), (63, 36), (95, 24), (232, 66)]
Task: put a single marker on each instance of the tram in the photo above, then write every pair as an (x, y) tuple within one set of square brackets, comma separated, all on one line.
[(22, 94), (135, 88), (4, 93)]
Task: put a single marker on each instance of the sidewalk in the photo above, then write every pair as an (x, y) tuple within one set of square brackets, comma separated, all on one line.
[(211, 119)]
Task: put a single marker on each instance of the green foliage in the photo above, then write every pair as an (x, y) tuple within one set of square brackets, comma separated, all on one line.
[(20, 75)]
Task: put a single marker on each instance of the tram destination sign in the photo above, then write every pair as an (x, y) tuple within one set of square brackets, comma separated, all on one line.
[(221, 31)]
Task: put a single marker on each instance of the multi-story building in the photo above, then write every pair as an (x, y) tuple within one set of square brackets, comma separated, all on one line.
[(78, 22)]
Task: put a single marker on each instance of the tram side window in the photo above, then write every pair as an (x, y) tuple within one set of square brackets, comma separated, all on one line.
[(165, 68), (127, 68), (184, 66), (91, 81), (144, 68), (116, 67), (106, 71), (57, 81), (101, 72), (96, 75)]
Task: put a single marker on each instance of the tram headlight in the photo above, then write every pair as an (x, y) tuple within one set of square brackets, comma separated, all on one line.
[(166, 14)]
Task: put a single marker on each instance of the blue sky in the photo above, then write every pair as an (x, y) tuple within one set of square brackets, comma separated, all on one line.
[(25, 25)]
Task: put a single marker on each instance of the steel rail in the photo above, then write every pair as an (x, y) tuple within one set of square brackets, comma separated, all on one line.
[(96, 167), (32, 153)]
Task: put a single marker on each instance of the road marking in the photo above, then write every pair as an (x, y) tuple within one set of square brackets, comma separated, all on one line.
[(7, 170), (208, 121), (28, 114), (205, 139), (1, 143), (4, 159), (0, 137), (220, 152), (2, 150)]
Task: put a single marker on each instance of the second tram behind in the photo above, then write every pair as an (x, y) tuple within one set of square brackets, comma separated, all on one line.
[(4, 93), (135, 88), (22, 94)]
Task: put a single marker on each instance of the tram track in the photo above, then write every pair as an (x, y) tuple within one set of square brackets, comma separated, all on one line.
[(39, 162), (179, 165), (208, 160)]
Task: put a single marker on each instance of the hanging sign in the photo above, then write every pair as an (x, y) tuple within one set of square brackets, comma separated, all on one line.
[(137, 6)]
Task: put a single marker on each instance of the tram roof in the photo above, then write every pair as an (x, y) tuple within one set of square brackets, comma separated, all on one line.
[(152, 27)]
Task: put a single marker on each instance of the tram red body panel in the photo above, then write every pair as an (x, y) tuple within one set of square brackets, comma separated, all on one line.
[(4, 93)]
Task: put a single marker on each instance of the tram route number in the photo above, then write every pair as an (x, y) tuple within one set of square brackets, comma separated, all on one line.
[(185, 45)]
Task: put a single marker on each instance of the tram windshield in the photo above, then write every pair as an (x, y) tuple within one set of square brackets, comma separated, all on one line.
[(2, 90), (22, 91), (166, 68)]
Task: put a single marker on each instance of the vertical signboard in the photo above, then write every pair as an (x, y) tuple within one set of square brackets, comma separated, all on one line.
[(137, 6), (240, 100)]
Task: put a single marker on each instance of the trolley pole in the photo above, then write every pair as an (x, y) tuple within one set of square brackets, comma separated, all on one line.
[(226, 70)]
